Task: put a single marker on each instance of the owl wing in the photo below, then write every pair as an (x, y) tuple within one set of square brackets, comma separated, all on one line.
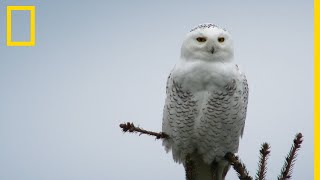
[(222, 120), (245, 97), (179, 114)]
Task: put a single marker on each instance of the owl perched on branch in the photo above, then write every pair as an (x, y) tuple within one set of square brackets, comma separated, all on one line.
[(206, 104)]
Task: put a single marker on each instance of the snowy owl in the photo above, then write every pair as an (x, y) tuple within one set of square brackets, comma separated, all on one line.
[(206, 104)]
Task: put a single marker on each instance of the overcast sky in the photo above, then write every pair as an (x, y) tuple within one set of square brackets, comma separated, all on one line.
[(100, 63)]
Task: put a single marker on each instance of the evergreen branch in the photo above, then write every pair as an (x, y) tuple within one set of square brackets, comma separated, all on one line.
[(264, 153), (286, 171), (130, 127), (238, 166)]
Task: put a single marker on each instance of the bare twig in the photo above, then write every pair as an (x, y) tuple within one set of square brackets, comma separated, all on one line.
[(286, 171), (133, 129), (238, 166), (264, 153)]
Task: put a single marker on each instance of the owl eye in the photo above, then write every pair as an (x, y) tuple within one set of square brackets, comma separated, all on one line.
[(201, 39), (221, 39)]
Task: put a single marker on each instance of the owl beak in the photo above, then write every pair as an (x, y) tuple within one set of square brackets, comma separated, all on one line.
[(212, 50)]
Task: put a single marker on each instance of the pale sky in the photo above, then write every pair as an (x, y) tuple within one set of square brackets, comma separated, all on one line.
[(100, 63)]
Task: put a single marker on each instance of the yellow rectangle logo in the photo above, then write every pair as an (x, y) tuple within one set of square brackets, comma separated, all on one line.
[(32, 25)]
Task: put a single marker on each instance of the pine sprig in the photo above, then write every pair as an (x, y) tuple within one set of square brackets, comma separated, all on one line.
[(130, 127), (286, 171), (238, 166), (264, 154)]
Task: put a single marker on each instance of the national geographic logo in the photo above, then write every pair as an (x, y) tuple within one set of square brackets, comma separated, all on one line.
[(32, 22)]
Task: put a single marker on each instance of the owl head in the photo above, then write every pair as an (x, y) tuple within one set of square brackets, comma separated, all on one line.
[(207, 42)]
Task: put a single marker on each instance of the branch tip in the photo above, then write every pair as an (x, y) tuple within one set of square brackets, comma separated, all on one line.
[(238, 166), (133, 129), (286, 171), (262, 166)]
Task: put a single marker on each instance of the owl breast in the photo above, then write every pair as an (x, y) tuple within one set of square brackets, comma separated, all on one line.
[(204, 76), (205, 110)]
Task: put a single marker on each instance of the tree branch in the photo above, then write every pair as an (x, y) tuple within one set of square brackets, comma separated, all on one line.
[(264, 153), (130, 127), (286, 171), (238, 166)]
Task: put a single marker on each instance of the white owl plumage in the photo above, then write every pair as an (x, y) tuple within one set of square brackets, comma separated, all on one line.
[(206, 103)]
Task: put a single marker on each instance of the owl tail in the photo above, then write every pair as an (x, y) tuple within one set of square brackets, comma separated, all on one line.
[(204, 171)]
